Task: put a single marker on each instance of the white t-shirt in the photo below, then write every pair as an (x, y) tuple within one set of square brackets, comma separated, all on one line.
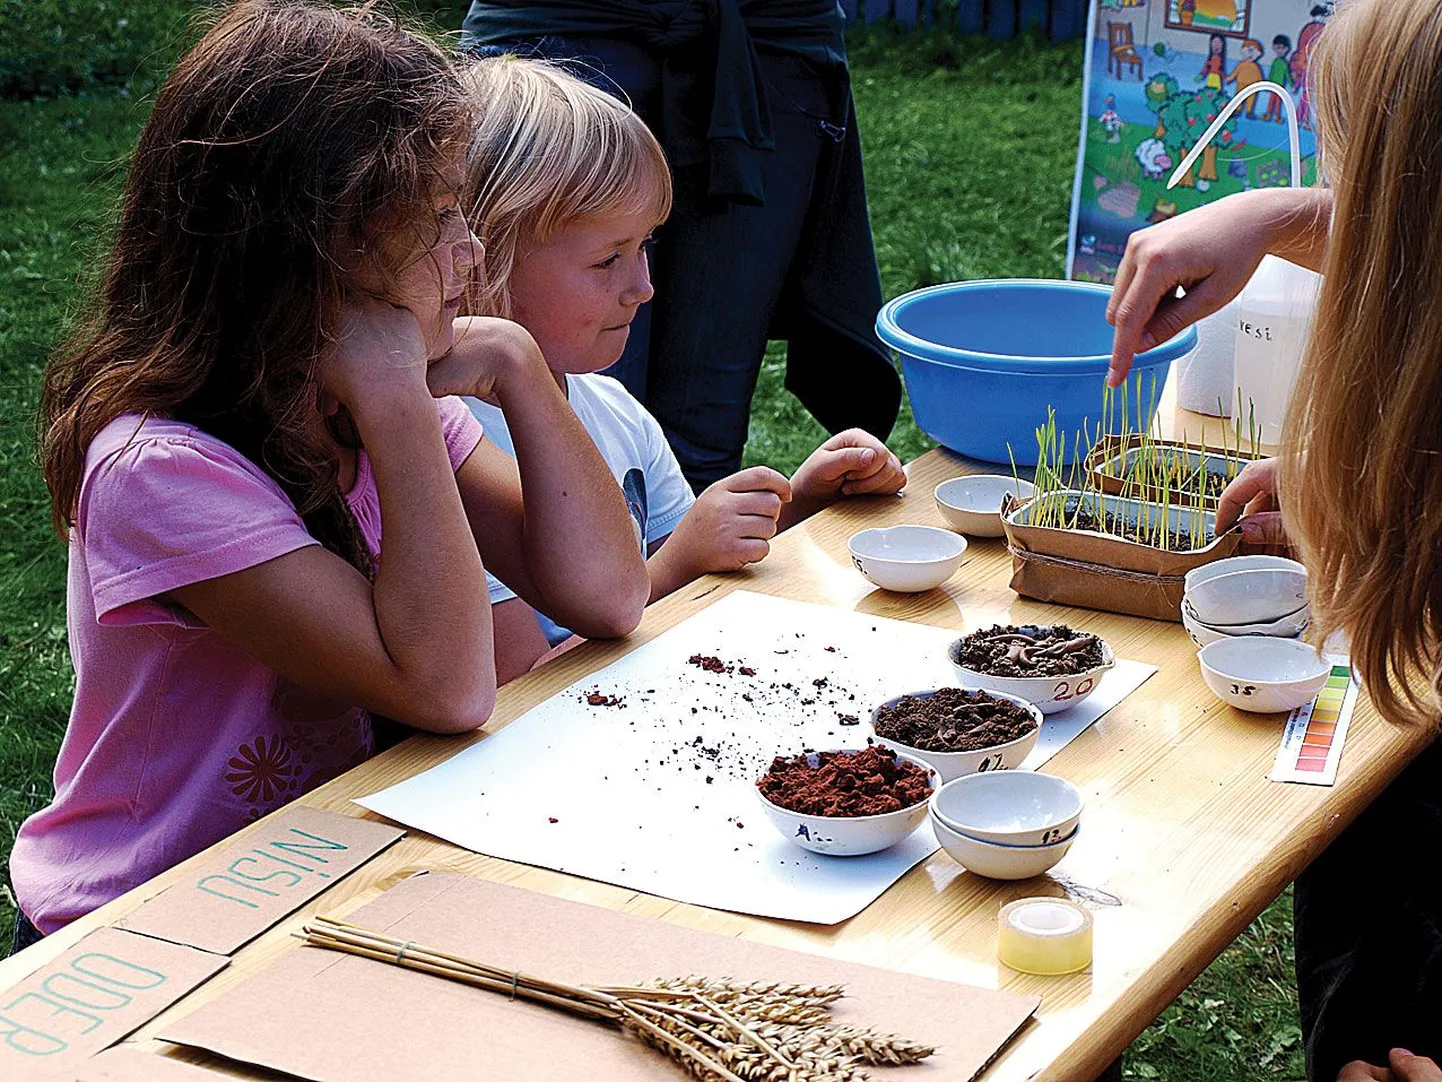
[(634, 447)]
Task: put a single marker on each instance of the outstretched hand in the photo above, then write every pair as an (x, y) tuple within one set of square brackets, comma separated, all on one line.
[(1205, 252)]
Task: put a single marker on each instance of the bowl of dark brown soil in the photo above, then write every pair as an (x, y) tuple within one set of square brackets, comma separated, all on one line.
[(847, 802), (959, 730), (1051, 665)]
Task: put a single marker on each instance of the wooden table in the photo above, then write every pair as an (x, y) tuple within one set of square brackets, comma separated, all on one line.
[(1186, 839)]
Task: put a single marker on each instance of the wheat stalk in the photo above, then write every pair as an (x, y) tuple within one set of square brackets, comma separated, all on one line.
[(717, 1030)]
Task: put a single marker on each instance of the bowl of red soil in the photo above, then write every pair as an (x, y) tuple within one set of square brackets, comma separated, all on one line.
[(1052, 666), (846, 802), (959, 731)]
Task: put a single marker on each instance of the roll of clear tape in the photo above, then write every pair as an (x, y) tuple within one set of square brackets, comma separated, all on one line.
[(1045, 936)]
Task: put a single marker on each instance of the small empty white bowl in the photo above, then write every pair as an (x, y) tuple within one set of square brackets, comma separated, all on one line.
[(1049, 694), (1204, 634), (1286, 628), (955, 764), (1263, 675), (1239, 563), (1260, 596), (1016, 807), (1000, 861), (849, 836), (972, 505), (907, 559)]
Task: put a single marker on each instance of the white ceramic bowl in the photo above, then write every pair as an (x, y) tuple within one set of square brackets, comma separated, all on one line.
[(907, 559), (1000, 861), (853, 836), (972, 505), (1260, 596), (1018, 807), (1239, 563), (1263, 675), (1201, 634), (954, 764), (1288, 627), (1050, 694)]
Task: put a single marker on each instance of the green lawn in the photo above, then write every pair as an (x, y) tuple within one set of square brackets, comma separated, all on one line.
[(969, 151)]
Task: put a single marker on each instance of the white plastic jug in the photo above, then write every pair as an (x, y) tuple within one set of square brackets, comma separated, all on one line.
[(1205, 376), (1274, 320), (1274, 312)]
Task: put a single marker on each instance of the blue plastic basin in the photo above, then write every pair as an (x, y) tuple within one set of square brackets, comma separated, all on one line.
[(983, 360)]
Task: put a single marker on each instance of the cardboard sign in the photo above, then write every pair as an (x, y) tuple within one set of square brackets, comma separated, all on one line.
[(254, 882), (103, 988), (132, 1065), (326, 1016)]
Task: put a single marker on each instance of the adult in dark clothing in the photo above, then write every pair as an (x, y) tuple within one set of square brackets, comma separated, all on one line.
[(769, 236)]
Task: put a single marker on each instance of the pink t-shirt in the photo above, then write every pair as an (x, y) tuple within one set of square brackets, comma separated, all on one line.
[(178, 738)]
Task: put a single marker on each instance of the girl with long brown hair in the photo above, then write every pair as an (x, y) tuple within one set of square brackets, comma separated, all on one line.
[(1358, 491), (262, 391)]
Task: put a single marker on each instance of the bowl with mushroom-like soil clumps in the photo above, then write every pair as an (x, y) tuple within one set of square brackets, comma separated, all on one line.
[(1052, 665), (959, 731)]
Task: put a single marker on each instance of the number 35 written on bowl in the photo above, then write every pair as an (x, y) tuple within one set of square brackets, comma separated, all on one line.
[(1064, 690), (1244, 689)]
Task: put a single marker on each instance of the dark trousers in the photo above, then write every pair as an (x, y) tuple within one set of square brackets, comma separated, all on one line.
[(695, 351), (1368, 918), (25, 933)]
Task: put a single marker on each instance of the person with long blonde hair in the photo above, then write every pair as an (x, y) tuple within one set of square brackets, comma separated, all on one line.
[(1357, 490)]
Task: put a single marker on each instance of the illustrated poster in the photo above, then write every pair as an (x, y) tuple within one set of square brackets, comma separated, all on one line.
[(1158, 72)]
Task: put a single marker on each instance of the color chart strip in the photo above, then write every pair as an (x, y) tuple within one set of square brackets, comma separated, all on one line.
[(1315, 734)]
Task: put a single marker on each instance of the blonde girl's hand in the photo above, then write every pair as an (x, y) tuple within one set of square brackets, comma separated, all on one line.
[(378, 352), (1251, 500), (730, 525), (487, 353), (1208, 252)]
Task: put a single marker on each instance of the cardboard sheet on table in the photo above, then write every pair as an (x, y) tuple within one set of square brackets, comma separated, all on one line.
[(327, 1016), (132, 1065), (657, 791), (252, 883), (98, 992)]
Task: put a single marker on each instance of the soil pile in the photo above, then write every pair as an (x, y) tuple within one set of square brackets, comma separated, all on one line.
[(954, 720), (845, 784)]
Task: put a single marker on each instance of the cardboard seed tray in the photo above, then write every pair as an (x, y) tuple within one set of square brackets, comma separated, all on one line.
[(1099, 571), (1106, 462)]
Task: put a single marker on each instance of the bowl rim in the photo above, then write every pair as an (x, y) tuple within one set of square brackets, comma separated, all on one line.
[(1070, 837), (1208, 571), (1293, 646), (1190, 610), (1109, 661), (920, 562), (1244, 571), (889, 330), (1024, 489), (915, 752), (933, 779), (957, 827)]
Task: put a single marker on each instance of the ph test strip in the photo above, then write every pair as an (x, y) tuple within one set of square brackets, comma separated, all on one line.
[(1313, 739)]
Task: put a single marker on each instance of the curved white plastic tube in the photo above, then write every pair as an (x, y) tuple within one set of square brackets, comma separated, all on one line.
[(1293, 134)]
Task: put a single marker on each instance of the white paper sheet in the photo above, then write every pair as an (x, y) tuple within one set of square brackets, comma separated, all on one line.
[(657, 791)]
